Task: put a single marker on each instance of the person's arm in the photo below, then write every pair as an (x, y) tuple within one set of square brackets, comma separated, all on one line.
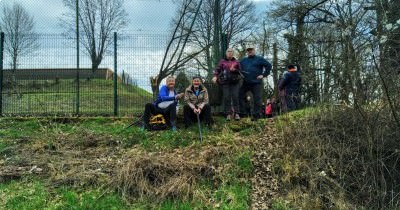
[(267, 65), (163, 95), (285, 80), (187, 100), (217, 71), (235, 66), (205, 100)]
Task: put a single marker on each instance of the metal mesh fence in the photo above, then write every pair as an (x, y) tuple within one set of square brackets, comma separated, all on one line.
[(44, 81)]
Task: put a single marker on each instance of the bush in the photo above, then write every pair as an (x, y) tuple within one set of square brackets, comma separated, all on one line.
[(341, 154)]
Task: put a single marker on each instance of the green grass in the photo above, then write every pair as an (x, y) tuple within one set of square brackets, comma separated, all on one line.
[(49, 135), (34, 194), (96, 97)]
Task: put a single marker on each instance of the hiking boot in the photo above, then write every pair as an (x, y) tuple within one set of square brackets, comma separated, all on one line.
[(228, 117), (255, 117), (237, 117)]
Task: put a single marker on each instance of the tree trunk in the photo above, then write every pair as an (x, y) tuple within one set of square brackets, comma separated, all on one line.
[(154, 86), (14, 73), (275, 69)]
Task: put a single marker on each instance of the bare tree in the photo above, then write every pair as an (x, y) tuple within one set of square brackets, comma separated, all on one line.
[(236, 20), (176, 55), (98, 20), (20, 39)]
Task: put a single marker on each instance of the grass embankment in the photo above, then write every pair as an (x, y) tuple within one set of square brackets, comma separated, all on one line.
[(96, 164), (59, 97), (337, 158)]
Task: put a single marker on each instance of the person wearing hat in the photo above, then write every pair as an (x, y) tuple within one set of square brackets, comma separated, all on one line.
[(227, 74), (290, 86), (196, 99), (254, 68)]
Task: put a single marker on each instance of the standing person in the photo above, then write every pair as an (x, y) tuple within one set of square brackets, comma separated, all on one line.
[(290, 86), (254, 69), (165, 104), (228, 75), (196, 99)]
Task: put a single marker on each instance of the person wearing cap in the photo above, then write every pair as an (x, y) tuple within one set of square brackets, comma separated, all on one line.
[(254, 68), (227, 74), (196, 99), (165, 104), (290, 86)]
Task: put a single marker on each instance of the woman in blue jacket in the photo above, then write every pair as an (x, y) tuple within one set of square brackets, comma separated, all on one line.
[(165, 104)]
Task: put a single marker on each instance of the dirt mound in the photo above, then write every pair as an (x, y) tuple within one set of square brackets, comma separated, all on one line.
[(168, 175)]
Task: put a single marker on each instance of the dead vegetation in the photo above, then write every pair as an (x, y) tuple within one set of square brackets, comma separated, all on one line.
[(174, 174), (339, 157), (81, 158)]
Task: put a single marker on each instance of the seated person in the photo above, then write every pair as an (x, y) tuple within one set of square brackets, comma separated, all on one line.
[(196, 98), (165, 104)]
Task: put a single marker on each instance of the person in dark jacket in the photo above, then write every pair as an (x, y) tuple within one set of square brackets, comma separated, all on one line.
[(290, 86), (196, 99), (254, 68), (227, 74), (165, 104)]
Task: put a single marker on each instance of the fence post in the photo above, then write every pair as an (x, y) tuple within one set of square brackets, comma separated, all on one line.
[(1, 71), (115, 76), (77, 59)]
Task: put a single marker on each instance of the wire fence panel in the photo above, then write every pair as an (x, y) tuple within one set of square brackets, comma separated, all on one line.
[(45, 81)]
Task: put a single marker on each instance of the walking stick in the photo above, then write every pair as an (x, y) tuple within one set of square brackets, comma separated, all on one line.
[(134, 122), (198, 122)]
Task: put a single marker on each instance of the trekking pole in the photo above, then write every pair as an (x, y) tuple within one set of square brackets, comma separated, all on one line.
[(198, 122), (134, 122)]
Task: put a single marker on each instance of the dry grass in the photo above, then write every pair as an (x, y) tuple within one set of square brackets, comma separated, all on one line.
[(168, 175), (339, 157)]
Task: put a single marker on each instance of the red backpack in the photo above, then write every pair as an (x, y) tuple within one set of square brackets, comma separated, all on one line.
[(268, 109)]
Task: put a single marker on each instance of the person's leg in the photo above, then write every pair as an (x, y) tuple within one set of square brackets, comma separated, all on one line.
[(235, 99), (205, 115), (187, 115), (242, 99), (170, 111), (149, 110), (297, 100), (256, 89), (227, 99), (290, 103)]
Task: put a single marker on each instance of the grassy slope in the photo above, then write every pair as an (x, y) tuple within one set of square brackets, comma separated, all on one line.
[(96, 97), (329, 157), (73, 148)]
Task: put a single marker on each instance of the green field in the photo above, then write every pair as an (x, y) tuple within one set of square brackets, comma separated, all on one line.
[(78, 163), (50, 97)]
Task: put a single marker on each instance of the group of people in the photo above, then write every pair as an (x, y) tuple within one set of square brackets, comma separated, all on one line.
[(236, 78), (196, 104), (251, 70)]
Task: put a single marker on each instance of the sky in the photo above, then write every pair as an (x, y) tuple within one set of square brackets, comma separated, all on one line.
[(144, 15), (139, 54)]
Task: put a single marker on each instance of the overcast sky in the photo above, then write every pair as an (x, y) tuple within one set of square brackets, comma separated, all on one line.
[(140, 55), (144, 15)]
